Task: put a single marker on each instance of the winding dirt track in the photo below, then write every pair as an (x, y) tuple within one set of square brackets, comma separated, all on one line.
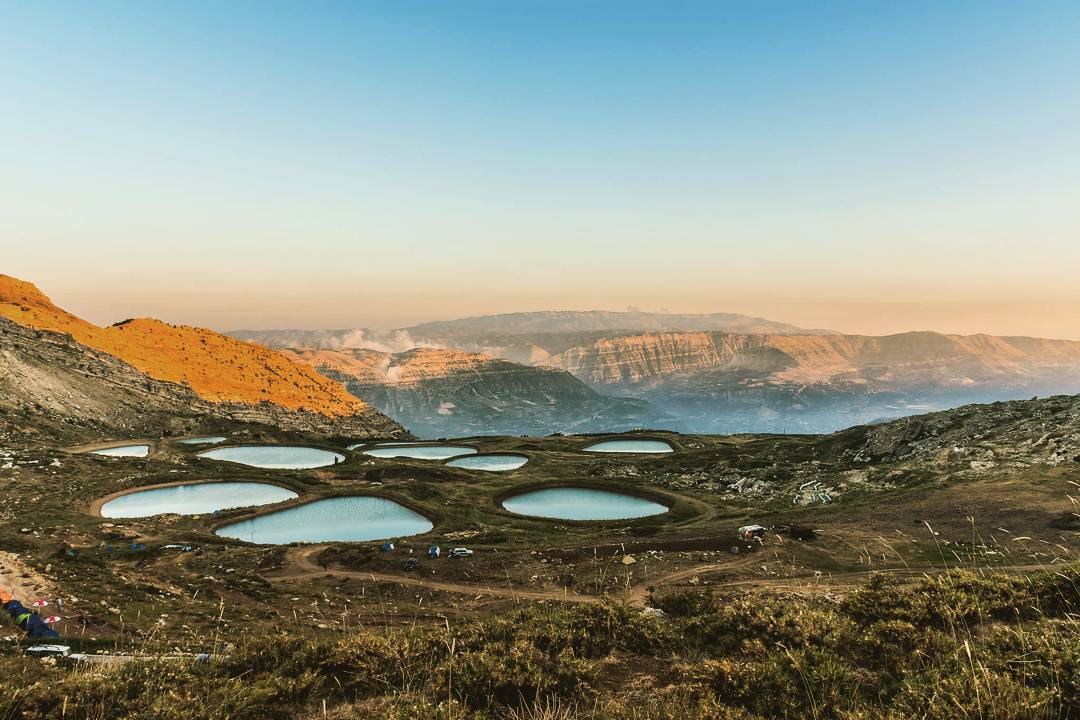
[(300, 566)]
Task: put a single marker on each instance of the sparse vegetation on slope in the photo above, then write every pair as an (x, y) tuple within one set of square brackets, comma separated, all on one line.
[(961, 644), (216, 367)]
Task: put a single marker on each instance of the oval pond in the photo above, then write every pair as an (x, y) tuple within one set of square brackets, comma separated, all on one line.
[(490, 463), (570, 503), (124, 451), (341, 519), (631, 446), (421, 452), (275, 457), (194, 499)]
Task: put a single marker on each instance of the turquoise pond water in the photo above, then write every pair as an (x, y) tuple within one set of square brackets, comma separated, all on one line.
[(630, 446), (276, 457), (194, 499), (204, 440), (581, 504), (341, 519), (124, 451), (390, 442), (421, 452), (491, 463)]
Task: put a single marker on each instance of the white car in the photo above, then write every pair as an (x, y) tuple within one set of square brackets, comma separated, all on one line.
[(461, 552)]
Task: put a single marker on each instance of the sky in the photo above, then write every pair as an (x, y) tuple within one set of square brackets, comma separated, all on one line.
[(870, 167)]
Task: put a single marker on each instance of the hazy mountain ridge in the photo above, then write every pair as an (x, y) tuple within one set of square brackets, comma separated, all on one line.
[(918, 359), (712, 381), (573, 321), (439, 393)]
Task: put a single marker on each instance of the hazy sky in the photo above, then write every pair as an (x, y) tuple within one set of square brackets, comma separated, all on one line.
[(864, 166)]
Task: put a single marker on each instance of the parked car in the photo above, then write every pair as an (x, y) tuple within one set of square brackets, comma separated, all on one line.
[(409, 564), (433, 552), (461, 553)]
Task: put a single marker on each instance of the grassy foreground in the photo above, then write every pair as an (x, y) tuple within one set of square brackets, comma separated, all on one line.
[(954, 645)]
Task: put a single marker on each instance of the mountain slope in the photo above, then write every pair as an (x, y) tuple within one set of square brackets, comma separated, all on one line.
[(216, 367), (51, 383), (439, 393), (190, 370)]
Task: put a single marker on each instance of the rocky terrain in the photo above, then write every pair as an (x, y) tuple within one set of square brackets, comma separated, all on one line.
[(215, 367), (51, 384), (439, 393), (147, 377)]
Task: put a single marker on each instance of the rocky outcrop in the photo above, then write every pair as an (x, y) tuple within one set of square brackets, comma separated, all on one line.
[(975, 437), (215, 367), (58, 384)]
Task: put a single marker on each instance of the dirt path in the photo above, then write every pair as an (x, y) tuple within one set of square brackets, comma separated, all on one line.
[(300, 565), (21, 581)]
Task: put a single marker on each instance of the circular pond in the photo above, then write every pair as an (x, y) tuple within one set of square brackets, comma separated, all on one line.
[(575, 503), (420, 452), (204, 440), (490, 463), (124, 451), (340, 519), (630, 446), (194, 499), (275, 457)]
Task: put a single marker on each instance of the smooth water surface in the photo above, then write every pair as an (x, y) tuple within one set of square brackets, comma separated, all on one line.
[(124, 451), (204, 440), (276, 457), (390, 442), (491, 463), (581, 504), (340, 519), (421, 452), (630, 446), (194, 499)]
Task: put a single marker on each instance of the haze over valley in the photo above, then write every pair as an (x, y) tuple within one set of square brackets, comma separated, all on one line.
[(540, 360), (710, 373)]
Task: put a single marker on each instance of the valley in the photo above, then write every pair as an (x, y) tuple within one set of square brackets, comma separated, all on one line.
[(704, 374), (172, 521)]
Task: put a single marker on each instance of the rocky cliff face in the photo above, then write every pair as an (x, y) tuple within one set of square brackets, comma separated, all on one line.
[(444, 393), (895, 362), (719, 382), (51, 383)]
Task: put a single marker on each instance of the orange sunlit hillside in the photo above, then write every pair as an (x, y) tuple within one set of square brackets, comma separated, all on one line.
[(216, 367)]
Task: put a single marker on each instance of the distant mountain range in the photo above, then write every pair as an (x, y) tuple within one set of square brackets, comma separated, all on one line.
[(443, 393), (698, 373)]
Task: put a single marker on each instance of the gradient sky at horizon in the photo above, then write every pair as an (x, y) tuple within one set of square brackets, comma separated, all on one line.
[(870, 167)]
